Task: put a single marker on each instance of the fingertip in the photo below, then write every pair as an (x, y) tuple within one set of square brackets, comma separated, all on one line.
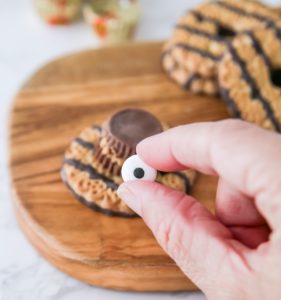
[(147, 197), (143, 148), (155, 152), (137, 185), (132, 193), (127, 193), (146, 149)]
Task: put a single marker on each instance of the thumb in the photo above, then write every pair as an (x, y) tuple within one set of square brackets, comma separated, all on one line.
[(186, 230)]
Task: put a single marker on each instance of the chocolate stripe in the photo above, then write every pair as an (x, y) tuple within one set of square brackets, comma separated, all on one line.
[(200, 17), (255, 92), (93, 174), (268, 21), (242, 12), (231, 105), (97, 208), (199, 51), (276, 29), (84, 144), (186, 181), (199, 32), (189, 81), (258, 48)]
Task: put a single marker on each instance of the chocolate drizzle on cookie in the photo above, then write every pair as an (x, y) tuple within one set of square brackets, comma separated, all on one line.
[(93, 174), (190, 80), (254, 89), (268, 22), (222, 32), (231, 105), (187, 185), (97, 208), (200, 17), (258, 48), (196, 31), (203, 53), (242, 12), (84, 144)]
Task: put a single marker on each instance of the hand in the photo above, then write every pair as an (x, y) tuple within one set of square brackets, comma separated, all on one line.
[(231, 255)]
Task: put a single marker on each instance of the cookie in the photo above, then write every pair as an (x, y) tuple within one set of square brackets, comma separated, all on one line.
[(92, 163), (250, 77), (200, 37), (186, 79)]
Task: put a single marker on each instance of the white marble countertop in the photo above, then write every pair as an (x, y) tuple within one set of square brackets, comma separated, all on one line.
[(27, 44)]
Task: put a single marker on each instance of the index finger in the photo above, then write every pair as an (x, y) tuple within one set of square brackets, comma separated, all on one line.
[(246, 156)]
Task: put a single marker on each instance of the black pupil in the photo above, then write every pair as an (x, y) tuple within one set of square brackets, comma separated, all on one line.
[(139, 173), (225, 32), (276, 77)]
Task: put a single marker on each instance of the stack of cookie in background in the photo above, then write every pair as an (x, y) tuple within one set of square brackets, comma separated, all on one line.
[(231, 48)]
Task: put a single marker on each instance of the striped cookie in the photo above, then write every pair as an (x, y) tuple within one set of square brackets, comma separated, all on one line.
[(93, 175), (250, 77), (187, 80), (200, 37)]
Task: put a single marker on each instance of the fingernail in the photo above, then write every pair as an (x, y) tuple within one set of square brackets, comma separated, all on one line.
[(129, 198)]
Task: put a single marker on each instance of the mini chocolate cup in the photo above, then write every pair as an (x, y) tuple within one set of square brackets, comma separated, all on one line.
[(107, 162), (120, 135), (126, 128)]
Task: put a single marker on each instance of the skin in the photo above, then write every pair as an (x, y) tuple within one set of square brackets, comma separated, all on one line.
[(235, 254)]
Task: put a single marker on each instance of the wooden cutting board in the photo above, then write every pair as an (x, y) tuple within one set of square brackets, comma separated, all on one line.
[(53, 106)]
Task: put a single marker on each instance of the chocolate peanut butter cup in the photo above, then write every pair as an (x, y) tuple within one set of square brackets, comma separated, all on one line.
[(120, 135), (126, 128)]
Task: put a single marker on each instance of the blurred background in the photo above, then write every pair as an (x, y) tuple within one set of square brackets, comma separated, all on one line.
[(32, 34)]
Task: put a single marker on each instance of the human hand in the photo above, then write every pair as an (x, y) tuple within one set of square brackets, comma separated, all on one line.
[(232, 255)]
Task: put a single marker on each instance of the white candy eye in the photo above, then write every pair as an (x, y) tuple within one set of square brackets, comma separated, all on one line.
[(135, 169)]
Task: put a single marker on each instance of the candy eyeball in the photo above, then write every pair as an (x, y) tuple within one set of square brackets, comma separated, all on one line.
[(135, 169)]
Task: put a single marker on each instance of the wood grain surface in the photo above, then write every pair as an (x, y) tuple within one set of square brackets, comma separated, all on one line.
[(53, 107)]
